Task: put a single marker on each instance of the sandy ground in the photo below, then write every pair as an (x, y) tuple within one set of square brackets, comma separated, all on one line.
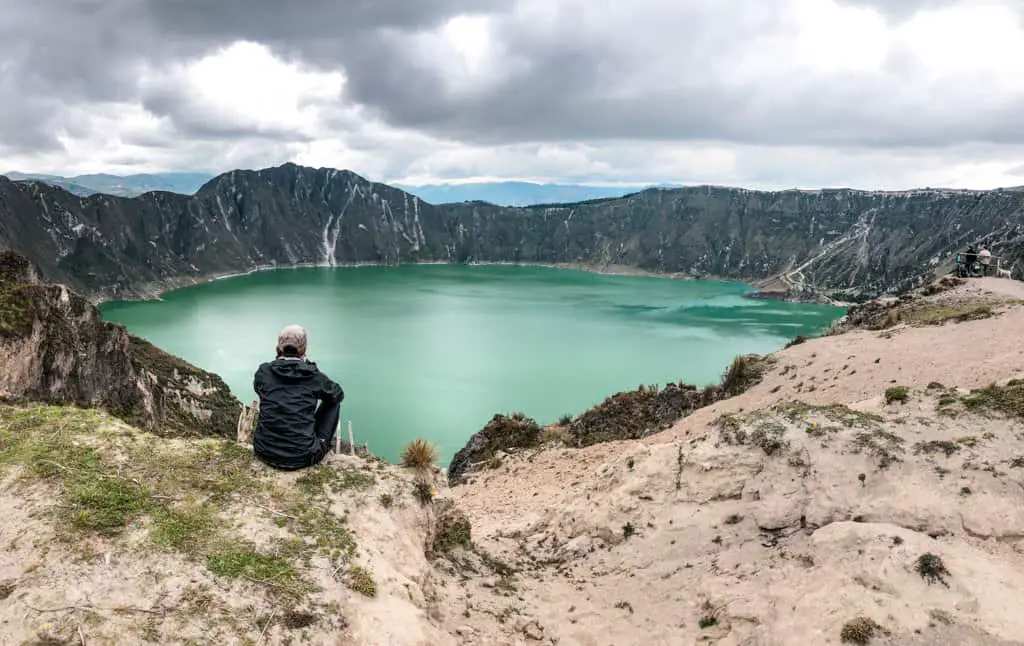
[(770, 519), (788, 547)]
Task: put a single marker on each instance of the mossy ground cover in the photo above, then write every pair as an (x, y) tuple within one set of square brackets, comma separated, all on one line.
[(110, 479)]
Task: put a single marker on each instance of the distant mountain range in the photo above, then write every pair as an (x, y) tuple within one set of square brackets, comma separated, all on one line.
[(122, 186), (520, 193), (500, 193), (847, 244)]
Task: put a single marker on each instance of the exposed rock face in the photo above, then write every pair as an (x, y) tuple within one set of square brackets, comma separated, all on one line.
[(501, 434), (55, 347), (851, 244)]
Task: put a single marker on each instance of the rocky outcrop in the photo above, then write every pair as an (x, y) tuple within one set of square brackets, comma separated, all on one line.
[(850, 245), (55, 347), (502, 433), (647, 410)]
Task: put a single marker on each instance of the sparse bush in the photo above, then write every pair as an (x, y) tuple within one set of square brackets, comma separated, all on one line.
[(360, 579), (565, 420), (423, 492), (708, 615), (897, 394), (932, 569), (860, 630), (744, 372), (797, 341), (452, 529), (937, 446), (386, 500), (628, 530), (419, 454), (768, 437)]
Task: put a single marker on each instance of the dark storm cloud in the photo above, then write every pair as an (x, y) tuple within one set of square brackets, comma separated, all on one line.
[(564, 71), (56, 53), (668, 77)]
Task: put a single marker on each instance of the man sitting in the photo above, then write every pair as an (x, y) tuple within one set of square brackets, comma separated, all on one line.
[(292, 432)]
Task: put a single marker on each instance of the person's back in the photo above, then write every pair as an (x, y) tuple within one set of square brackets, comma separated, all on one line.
[(292, 432)]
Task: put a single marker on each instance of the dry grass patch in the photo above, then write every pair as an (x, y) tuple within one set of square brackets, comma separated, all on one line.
[(419, 454)]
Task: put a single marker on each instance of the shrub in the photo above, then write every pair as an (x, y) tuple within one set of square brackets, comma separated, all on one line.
[(897, 394), (419, 454), (859, 631), (423, 491), (565, 420), (932, 569)]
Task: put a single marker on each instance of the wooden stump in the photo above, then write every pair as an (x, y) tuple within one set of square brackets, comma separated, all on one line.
[(247, 422)]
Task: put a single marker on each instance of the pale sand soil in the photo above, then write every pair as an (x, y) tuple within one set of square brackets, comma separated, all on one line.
[(766, 549), (568, 507)]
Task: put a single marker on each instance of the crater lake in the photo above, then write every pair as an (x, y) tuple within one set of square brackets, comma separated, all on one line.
[(434, 351)]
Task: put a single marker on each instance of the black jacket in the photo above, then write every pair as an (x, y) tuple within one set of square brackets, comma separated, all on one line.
[(290, 426)]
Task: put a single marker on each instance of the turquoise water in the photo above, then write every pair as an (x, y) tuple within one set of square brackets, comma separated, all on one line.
[(435, 350)]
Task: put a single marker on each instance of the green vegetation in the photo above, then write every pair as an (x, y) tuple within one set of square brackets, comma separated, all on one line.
[(860, 630), (897, 394), (452, 531), (1007, 400), (800, 412), (881, 443), (932, 569), (17, 312), (744, 372), (237, 559), (361, 580), (565, 420), (109, 477), (317, 480)]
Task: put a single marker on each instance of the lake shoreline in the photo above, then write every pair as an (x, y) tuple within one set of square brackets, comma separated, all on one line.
[(155, 292)]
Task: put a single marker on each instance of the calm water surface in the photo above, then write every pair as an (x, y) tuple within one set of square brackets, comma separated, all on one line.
[(436, 350)]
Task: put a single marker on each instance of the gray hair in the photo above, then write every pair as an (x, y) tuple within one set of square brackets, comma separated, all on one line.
[(293, 340)]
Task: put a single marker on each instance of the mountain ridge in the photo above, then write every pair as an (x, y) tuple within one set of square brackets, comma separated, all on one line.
[(842, 243)]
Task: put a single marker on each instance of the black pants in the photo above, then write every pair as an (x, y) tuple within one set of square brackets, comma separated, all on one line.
[(325, 422)]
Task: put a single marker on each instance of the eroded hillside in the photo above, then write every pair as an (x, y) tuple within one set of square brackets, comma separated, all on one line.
[(868, 490)]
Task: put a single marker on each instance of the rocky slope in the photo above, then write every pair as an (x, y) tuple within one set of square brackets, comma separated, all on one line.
[(867, 491), (850, 244), (54, 346)]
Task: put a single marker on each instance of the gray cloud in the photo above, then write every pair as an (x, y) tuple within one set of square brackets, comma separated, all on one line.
[(650, 74)]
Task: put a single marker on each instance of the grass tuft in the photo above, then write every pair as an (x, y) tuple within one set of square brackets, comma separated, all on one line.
[(860, 630), (419, 454)]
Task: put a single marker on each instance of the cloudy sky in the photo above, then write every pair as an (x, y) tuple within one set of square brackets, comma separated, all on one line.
[(758, 93)]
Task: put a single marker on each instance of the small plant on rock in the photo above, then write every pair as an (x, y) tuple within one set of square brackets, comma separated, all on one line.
[(708, 615), (897, 394), (386, 500), (361, 580), (932, 569), (423, 492), (859, 630), (628, 530), (419, 454), (565, 420)]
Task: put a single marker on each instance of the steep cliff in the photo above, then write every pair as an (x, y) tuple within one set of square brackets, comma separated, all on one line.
[(851, 244), (55, 347)]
